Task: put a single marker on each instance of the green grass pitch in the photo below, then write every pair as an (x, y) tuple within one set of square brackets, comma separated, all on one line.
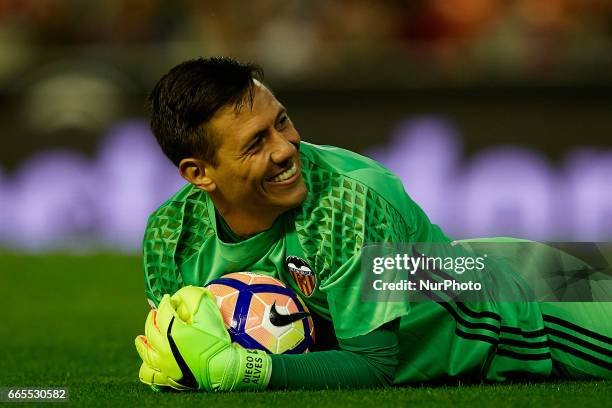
[(70, 321)]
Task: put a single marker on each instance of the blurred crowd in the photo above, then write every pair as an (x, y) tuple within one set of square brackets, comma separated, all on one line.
[(73, 75), (406, 42)]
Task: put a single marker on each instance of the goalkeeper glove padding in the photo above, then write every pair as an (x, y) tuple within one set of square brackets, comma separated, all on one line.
[(186, 346)]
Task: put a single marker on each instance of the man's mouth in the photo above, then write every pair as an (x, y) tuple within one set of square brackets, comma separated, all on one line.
[(285, 175)]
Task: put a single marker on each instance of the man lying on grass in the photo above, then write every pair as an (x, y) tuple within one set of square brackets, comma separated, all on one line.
[(258, 195)]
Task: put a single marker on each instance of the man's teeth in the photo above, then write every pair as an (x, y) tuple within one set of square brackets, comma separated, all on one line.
[(285, 174)]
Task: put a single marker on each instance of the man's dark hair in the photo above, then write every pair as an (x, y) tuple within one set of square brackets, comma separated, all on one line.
[(189, 95)]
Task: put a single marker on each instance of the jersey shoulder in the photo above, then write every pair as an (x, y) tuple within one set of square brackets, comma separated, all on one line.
[(174, 233), (326, 163), (352, 200), (347, 163)]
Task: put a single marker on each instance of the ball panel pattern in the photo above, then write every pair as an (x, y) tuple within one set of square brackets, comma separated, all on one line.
[(246, 299)]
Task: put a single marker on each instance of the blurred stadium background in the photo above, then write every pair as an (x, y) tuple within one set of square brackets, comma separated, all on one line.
[(497, 114)]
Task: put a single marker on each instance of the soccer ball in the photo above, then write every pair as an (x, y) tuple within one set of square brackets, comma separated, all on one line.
[(260, 312)]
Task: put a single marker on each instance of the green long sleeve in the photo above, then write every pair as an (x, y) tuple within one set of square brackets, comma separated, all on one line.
[(362, 362)]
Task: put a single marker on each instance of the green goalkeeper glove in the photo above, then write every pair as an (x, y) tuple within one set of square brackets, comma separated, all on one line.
[(187, 347)]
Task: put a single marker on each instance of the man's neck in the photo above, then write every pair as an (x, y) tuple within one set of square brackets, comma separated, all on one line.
[(244, 222), (244, 226)]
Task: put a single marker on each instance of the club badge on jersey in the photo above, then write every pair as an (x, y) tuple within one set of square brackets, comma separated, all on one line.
[(302, 274)]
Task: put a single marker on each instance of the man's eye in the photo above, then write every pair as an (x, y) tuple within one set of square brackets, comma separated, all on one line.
[(256, 142), (282, 121)]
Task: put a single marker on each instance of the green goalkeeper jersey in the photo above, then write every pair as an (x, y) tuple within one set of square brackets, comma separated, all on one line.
[(316, 250)]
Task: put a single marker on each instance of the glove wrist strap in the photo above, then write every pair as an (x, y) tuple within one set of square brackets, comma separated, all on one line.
[(253, 370)]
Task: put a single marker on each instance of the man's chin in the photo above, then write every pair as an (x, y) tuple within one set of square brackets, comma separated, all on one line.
[(301, 194), (293, 199)]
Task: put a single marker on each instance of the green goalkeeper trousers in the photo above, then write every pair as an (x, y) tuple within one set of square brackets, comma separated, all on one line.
[(507, 340)]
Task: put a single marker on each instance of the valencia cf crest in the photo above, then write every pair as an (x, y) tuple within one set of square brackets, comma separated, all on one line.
[(302, 274)]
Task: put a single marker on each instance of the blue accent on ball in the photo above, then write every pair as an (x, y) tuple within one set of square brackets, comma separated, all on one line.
[(232, 283), (242, 309)]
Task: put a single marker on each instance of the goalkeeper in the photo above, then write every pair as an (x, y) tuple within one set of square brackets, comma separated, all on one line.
[(259, 199)]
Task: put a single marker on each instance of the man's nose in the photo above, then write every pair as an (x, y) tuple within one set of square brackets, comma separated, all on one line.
[(284, 148)]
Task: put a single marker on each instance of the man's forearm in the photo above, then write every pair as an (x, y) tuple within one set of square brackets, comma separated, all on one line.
[(364, 362)]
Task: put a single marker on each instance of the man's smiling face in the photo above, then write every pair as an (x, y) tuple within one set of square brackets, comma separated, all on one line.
[(259, 169)]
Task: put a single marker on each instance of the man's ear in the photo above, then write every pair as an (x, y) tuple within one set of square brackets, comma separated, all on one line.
[(195, 171)]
